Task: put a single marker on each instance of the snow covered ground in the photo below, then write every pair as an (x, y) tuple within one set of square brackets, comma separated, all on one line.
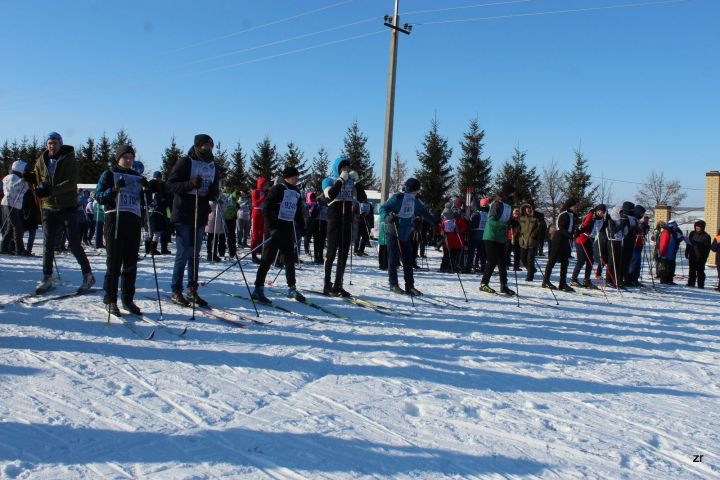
[(488, 390)]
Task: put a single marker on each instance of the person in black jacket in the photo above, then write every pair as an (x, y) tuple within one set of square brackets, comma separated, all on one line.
[(194, 182), (341, 195), (159, 223), (283, 215), (121, 182), (560, 248), (697, 252)]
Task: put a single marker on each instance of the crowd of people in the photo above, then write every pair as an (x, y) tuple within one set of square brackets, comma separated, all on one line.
[(476, 236)]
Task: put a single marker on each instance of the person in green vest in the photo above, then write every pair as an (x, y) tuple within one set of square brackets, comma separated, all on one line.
[(230, 216), (495, 238)]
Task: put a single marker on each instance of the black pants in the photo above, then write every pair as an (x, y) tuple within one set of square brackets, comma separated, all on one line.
[(319, 238), (528, 258), (696, 271), (231, 237), (338, 244), (286, 247), (628, 245), (495, 253), (613, 268), (514, 250), (363, 238), (559, 252), (383, 257), (311, 232), (666, 271), (122, 256), (13, 229), (215, 245), (55, 222)]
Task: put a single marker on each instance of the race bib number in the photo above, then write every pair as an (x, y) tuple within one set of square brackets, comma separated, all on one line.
[(130, 193), (347, 193), (450, 225), (288, 206), (407, 209), (206, 171)]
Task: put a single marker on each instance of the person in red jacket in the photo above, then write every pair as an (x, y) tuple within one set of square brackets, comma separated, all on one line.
[(257, 221), (591, 226), (452, 228)]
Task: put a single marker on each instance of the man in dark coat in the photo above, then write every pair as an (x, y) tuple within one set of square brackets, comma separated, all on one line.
[(560, 249), (697, 252)]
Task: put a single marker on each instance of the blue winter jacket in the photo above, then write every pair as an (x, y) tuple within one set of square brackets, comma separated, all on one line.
[(404, 225)]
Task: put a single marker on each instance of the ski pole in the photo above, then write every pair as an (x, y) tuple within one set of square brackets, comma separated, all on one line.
[(402, 260), (195, 255), (590, 265), (352, 249), (152, 256), (545, 279), (452, 266), (517, 289), (652, 275), (115, 274), (213, 250)]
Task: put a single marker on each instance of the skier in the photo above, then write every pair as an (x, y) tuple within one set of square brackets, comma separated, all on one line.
[(560, 250), (452, 227), (342, 195), (631, 230), (365, 215), (715, 247), (512, 247), (120, 190), (194, 182), (243, 219), (669, 243), (159, 224), (494, 239), (319, 245), (638, 243), (311, 221), (215, 230), (257, 227), (398, 214), (592, 224), (230, 218), (282, 211), (480, 256), (31, 219), (54, 180), (697, 251), (531, 235), (14, 190)]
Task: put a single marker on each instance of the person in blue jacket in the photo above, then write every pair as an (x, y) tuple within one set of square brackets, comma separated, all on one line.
[(398, 214)]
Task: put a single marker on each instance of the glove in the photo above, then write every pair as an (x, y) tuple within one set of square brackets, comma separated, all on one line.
[(354, 176), (145, 184), (196, 182), (43, 190), (275, 234), (212, 191), (392, 218), (119, 184), (29, 176), (344, 176)]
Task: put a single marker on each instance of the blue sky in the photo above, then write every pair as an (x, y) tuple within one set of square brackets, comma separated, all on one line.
[(636, 87)]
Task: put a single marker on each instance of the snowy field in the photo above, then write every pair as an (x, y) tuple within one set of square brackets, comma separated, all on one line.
[(588, 389)]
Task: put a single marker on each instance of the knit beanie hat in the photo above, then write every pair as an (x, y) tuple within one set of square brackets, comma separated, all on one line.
[(700, 223), (122, 150), (290, 172), (484, 202), (201, 139), (412, 185), (18, 167), (54, 136)]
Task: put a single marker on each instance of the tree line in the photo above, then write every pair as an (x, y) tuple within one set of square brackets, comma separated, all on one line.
[(547, 188)]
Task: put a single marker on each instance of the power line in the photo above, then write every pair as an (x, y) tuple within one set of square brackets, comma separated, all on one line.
[(463, 7), (637, 183), (280, 42), (258, 27), (553, 12)]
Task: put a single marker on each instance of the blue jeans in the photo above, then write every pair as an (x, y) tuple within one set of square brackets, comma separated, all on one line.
[(184, 256), (393, 254), (474, 245), (584, 259), (635, 266)]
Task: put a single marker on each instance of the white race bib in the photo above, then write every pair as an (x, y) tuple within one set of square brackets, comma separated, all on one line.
[(407, 209), (507, 211), (288, 207), (204, 170), (449, 225), (130, 193), (347, 192)]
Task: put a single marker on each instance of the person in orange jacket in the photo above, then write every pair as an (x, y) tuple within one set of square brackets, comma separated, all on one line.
[(257, 226)]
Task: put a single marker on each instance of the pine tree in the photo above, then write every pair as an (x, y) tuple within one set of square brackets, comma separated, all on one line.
[(356, 151), (221, 162), (296, 158), (578, 184), (435, 173), (104, 154), (516, 173), (169, 157), (5, 158), (319, 170), (237, 178), (121, 138), (264, 161), (90, 169), (473, 171)]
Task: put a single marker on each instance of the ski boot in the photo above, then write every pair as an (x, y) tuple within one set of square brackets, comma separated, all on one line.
[(258, 294), (589, 285), (397, 289), (547, 284), (46, 285), (504, 289), (113, 309), (564, 287), (293, 293), (486, 288), (192, 296), (328, 290), (131, 307), (576, 284), (414, 291), (340, 292), (178, 299), (88, 282)]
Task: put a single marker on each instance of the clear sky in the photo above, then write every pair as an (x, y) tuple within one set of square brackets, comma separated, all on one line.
[(637, 87)]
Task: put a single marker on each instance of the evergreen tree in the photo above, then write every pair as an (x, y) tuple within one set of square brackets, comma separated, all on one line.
[(473, 171), (356, 151), (579, 186), (88, 166), (237, 179), (121, 138), (169, 157), (516, 173), (264, 161), (296, 158), (5, 158), (104, 154), (319, 170), (435, 173), (221, 162)]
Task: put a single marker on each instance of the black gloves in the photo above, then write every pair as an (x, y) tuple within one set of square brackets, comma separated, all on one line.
[(29, 176), (119, 184), (213, 192), (145, 184), (196, 182), (392, 218), (275, 234), (43, 190)]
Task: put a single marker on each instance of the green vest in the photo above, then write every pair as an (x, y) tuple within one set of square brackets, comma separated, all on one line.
[(496, 230)]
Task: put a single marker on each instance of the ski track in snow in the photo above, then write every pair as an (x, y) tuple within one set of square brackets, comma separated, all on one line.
[(588, 389)]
